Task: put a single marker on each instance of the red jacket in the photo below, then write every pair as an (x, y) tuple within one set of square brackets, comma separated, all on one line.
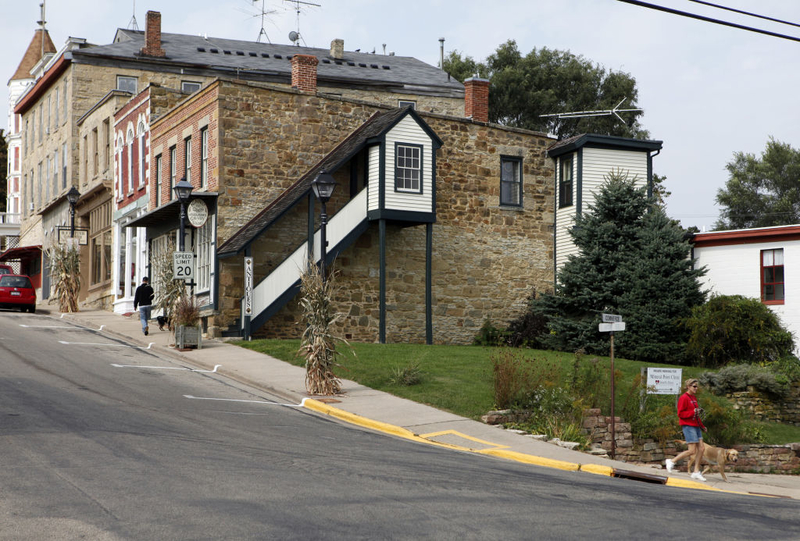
[(686, 411)]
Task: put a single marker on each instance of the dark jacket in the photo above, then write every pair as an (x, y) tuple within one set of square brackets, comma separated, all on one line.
[(144, 296)]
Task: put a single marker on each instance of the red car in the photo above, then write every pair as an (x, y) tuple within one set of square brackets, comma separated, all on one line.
[(6, 269), (16, 291)]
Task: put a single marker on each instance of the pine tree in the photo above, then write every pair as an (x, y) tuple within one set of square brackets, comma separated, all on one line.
[(633, 261)]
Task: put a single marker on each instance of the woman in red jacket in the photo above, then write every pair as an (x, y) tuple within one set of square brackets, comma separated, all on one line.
[(689, 412)]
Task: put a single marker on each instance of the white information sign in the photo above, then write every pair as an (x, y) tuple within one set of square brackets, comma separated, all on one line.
[(183, 265), (608, 327), (248, 286), (611, 318), (664, 380), (197, 212)]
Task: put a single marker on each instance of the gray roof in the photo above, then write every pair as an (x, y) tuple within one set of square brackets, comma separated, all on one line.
[(603, 141), (272, 63)]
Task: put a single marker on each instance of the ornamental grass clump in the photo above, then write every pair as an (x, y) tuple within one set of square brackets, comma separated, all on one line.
[(65, 271), (318, 343)]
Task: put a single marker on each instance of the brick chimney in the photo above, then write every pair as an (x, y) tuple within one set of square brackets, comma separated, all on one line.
[(476, 99), (337, 49), (152, 35), (304, 72)]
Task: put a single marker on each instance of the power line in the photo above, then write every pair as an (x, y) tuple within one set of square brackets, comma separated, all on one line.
[(708, 19), (756, 15)]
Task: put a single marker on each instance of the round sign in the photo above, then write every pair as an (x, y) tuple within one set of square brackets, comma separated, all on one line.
[(197, 212)]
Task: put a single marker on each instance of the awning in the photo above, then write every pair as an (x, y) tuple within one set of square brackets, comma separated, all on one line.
[(169, 212), (21, 252)]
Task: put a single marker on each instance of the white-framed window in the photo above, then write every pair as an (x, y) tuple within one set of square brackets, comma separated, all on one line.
[(204, 158), (55, 172), (127, 83), (142, 156), (64, 167), (66, 102), (190, 87), (511, 181), (129, 164), (772, 277), (187, 159), (173, 170), (159, 172), (204, 255), (57, 101), (408, 168), (46, 179)]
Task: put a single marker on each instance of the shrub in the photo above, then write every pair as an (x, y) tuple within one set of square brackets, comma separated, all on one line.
[(408, 375), (527, 330), (489, 335), (726, 425), (735, 378), (187, 311), (507, 378), (733, 328)]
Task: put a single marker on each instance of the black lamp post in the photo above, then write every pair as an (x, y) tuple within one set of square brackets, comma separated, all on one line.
[(323, 187), (72, 196), (183, 191)]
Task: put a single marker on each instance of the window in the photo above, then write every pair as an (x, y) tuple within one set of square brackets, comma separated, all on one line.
[(100, 253), (772, 286), (38, 183), (106, 144), (65, 101), (173, 170), (64, 167), (33, 128), (142, 156), (565, 183), (408, 168), (159, 171), (95, 152), (41, 121), (55, 109), (127, 84), (204, 257), (406, 103), (46, 179), (55, 172), (189, 87), (204, 158), (130, 161), (511, 181), (187, 159), (86, 155)]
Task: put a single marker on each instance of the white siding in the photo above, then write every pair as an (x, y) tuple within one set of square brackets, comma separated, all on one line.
[(599, 162), (565, 217), (374, 177), (736, 270), (408, 131)]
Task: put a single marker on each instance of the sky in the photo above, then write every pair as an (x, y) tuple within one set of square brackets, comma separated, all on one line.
[(707, 90)]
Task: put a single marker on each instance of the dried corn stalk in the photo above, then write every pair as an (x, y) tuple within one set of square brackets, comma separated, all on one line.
[(65, 273)]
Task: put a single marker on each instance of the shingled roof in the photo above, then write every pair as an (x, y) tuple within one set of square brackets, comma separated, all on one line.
[(34, 54), (374, 127), (271, 62)]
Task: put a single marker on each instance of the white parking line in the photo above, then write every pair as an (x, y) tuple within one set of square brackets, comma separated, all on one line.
[(190, 397), (51, 327), (167, 368), (105, 344)]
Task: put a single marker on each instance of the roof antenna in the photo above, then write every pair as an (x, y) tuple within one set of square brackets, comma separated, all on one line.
[(133, 25), (263, 32), (604, 112), (297, 36)]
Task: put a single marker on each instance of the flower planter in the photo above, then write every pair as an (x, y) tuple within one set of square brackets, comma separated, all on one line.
[(188, 337)]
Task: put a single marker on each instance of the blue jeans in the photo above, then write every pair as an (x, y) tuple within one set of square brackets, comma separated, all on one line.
[(144, 315)]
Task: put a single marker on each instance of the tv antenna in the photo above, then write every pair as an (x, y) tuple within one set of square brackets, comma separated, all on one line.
[(263, 12), (133, 25), (605, 112), (296, 36)]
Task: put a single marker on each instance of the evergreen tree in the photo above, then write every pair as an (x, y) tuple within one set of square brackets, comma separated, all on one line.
[(633, 261)]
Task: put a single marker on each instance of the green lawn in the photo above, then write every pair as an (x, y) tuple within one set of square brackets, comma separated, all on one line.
[(459, 378)]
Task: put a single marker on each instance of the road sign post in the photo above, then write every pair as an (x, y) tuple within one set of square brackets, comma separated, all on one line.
[(611, 323)]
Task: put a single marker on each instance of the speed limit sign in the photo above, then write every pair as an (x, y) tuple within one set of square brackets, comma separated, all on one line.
[(183, 265)]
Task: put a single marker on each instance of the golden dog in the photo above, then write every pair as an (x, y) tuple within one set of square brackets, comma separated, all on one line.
[(716, 456)]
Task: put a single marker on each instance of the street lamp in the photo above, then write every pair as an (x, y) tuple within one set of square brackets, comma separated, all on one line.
[(323, 187), (183, 191), (72, 196)]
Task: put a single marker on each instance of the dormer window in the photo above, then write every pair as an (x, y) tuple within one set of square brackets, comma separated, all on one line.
[(408, 168)]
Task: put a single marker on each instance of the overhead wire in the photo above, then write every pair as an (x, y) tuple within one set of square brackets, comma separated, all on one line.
[(708, 19), (748, 13)]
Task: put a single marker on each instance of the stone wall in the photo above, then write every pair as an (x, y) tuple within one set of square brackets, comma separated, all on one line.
[(763, 408), (487, 258)]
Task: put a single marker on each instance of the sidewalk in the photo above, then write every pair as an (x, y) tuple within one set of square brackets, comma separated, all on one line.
[(403, 418)]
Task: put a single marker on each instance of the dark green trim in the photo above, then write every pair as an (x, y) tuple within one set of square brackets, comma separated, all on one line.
[(555, 227), (429, 284), (562, 160), (421, 167), (311, 219), (603, 141), (433, 183), (649, 176), (402, 216), (382, 281), (382, 173)]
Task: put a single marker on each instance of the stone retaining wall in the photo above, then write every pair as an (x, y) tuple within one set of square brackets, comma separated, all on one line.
[(763, 408)]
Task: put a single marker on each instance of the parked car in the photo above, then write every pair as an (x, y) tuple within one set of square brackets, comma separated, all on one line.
[(6, 269), (16, 291)]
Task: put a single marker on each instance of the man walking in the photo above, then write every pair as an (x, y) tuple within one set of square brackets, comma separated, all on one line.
[(144, 299)]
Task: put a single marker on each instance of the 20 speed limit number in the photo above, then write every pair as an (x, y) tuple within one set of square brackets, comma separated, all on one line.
[(183, 265)]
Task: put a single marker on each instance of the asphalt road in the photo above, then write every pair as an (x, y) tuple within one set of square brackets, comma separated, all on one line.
[(101, 440)]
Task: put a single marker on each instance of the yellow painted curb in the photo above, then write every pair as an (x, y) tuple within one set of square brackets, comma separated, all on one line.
[(682, 483), (597, 469), (320, 407), (531, 459)]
